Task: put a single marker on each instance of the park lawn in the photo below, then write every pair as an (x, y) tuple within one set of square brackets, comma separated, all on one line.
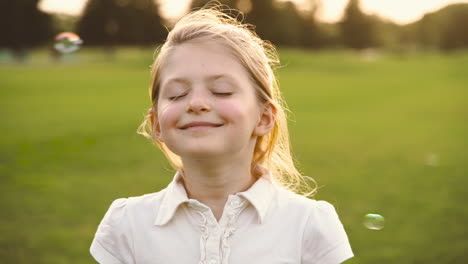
[(382, 135)]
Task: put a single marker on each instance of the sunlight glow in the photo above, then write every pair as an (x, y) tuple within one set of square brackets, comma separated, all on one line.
[(400, 11)]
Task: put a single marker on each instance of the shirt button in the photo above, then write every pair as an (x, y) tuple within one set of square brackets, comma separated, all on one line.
[(235, 203), (213, 261)]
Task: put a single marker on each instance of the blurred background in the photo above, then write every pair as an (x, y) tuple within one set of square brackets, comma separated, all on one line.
[(377, 91)]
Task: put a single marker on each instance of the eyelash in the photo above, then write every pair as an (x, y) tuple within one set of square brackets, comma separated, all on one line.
[(172, 98), (223, 94)]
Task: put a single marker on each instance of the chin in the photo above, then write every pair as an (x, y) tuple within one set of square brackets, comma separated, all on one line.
[(201, 154)]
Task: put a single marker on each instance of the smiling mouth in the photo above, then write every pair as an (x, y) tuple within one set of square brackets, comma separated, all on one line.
[(200, 126)]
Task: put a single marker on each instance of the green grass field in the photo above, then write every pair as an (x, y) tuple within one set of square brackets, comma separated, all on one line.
[(387, 136)]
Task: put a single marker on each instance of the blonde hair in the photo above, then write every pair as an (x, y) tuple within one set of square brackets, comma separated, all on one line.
[(259, 59)]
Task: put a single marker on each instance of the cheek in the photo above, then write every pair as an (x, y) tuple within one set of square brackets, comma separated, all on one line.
[(168, 116), (239, 112), (230, 110)]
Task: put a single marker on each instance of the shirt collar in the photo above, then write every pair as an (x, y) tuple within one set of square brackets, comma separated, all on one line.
[(175, 196), (259, 195)]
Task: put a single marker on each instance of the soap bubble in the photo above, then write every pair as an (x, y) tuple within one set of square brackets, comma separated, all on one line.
[(374, 221), (67, 42)]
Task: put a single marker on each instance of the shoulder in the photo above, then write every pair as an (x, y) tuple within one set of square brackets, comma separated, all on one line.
[(305, 205), (125, 213), (146, 200), (324, 239), (122, 208), (323, 222), (318, 215), (113, 241), (308, 214)]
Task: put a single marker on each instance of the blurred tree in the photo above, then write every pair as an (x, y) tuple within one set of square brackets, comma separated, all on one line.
[(23, 25), (422, 34), (443, 29), (290, 25), (454, 34), (312, 35), (428, 33), (229, 7), (63, 22), (196, 4), (110, 22), (280, 22), (264, 16), (330, 35), (357, 29), (270, 21), (387, 33)]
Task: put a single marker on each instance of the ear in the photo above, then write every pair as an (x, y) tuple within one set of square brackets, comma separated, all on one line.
[(267, 120), (155, 124)]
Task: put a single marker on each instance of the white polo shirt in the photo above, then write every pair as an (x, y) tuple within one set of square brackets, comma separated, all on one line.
[(263, 225)]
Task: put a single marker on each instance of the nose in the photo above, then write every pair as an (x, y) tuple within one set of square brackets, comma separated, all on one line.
[(198, 103)]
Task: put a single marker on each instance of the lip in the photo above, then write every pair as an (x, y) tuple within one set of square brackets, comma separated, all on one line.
[(199, 124)]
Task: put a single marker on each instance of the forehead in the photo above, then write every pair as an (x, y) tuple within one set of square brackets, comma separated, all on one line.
[(199, 61)]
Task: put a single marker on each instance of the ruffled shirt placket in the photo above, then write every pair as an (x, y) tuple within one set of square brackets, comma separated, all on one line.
[(214, 239)]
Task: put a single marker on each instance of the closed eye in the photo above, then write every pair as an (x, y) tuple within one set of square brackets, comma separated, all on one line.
[(173, 98), (222, 94)]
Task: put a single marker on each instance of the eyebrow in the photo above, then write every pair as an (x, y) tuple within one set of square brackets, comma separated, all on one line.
[(209, 78), (176, 80), (218, 76)]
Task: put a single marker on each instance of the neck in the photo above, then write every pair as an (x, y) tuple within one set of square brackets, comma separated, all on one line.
[(212, 183)]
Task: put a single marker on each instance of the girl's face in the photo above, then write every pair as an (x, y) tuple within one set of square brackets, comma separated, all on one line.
[(207, 104)]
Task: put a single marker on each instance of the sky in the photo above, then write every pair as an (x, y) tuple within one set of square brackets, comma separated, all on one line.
[(399, 11)]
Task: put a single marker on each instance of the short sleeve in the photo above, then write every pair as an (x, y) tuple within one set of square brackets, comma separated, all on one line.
[(325, 240), (112, 241)]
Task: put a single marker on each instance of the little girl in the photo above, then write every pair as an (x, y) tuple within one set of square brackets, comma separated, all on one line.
[(218, 116)]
